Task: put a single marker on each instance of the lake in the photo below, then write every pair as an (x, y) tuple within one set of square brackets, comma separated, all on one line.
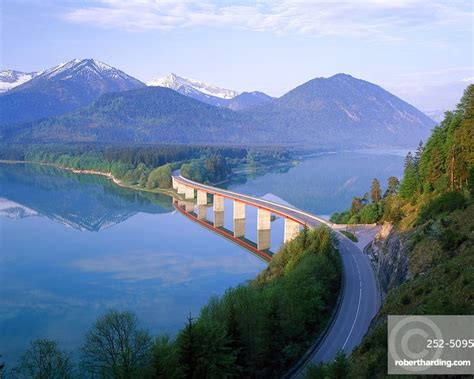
[(73, 246)]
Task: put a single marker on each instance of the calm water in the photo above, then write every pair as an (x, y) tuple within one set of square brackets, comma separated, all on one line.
[(73, 246), (327, 183)]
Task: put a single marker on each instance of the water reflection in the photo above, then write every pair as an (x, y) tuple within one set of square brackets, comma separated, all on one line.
[(239, 228), (120, 249), (218, 219), (84, 202), (326, 183), (201, 212)]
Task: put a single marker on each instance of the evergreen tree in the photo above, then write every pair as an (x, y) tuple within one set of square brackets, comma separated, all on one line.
[(365, 199), (164, 361), (340, 366), (470, 181), (234, 336), (305, 236), (392, 186), (215, 357), (418, 154), (356, 205), (375, 191), (461, 155), (409, 182), (272, 334), (188, 348)]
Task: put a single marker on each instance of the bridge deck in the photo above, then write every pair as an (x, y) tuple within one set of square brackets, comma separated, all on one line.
[(297, 215)]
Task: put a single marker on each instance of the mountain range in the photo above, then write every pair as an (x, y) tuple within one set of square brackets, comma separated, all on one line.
[(211, 94), (11, 78), (62, 89), (92, 101)]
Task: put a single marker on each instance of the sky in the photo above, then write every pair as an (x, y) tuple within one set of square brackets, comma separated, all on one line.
[(422, 51)]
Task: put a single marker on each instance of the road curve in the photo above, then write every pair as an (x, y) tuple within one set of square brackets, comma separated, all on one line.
[(360, 299)]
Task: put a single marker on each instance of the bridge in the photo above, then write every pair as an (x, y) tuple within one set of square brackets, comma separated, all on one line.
[(294, 218), (360, 299)]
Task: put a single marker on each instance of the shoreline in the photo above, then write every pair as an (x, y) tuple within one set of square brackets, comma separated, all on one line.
[(107, 175)]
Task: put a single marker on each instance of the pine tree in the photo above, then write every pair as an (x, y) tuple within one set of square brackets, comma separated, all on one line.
[(356, 205), (234, 335), (375, 191), (215, 357), (392, 186), (272, 337), (305, 236), (418, 154), (340, 366), (188, 348), (409, 161), (409, 182)]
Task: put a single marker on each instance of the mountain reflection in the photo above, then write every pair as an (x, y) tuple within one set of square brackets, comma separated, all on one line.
[(84, 202)]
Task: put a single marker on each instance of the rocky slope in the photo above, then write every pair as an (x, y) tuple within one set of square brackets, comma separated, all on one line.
[(389, 252)]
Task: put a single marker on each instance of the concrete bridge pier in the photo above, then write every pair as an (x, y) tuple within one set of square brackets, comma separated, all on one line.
[(263, 229), (189, 206), (189, 193), (218, 203), (218, 207), (239, 219), (201, 197), (292, 228), (218, 219), (180, 188), (201, 212)]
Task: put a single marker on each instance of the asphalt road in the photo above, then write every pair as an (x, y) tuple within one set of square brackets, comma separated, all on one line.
[(360, 299)]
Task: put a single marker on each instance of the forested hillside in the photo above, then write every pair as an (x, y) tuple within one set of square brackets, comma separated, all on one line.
[(432, 211), (336, 112), (148, 167)]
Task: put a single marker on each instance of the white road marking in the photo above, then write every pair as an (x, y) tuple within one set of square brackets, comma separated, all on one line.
[(358, 305)]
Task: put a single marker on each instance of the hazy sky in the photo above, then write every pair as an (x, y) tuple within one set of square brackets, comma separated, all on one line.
[(420, 50)]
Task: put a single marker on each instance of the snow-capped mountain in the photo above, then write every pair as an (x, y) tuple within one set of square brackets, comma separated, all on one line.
[(91, 70), (196, 89), (10, 79), (339, 111), (14, 210), (62, 89), (187, 86), (210, 94)]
